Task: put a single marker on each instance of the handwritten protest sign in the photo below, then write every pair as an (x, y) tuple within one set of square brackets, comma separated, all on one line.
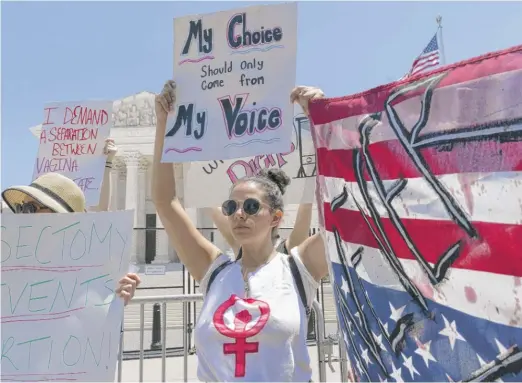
[(219, 175), (60, 317), (234, 71), (71, 143)]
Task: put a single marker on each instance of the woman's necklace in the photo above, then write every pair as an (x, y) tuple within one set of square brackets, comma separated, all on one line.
[(246, 284), (245, 272)]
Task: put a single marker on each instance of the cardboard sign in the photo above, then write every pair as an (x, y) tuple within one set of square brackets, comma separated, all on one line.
[(60, 317), (234, 72), (71, 143)]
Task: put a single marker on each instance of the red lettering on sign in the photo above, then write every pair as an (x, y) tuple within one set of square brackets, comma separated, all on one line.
[(65, 150), (43, 136), (72, 134), (253, 166), (48, 113), (85, 116), (47, 165)]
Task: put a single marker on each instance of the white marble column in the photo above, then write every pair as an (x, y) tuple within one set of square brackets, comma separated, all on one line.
[(162, 243), (140, 217), (122, 187), (131, 200), (117, 166)]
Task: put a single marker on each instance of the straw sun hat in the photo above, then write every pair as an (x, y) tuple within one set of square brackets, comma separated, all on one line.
[(53, 190)]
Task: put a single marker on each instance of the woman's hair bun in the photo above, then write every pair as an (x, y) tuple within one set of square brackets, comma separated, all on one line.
[(277, 176)]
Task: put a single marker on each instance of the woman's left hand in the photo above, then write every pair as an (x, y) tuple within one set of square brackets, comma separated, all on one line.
[(110, 149)]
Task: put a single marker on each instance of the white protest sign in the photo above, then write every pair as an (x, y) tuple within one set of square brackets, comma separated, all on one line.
[(71, 143), (60, 317), (219, 175), (234, 72)]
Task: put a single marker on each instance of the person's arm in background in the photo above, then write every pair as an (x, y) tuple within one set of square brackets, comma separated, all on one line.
[(303, 219), (110, 150), (312, 250), (223, 226), (301, 230)]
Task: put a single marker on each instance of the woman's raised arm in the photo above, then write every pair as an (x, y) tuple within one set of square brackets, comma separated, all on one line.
[(194, 250), (312, 250), (301, 230)]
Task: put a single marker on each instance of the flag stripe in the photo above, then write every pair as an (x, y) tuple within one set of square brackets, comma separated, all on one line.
[(493, 198), (323, 111), (426, 65), (428, 57), (434, 237), (466, 157), (425, 62), (466, 292), (453, 110)]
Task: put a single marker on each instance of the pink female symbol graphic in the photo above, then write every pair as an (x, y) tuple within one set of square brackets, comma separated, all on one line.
[(240, 332)]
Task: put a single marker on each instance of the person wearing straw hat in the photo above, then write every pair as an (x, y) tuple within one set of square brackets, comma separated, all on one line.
[(56, 193), (49, 193)]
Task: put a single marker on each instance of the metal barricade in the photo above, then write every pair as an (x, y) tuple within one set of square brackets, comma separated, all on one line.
[(185, 299)]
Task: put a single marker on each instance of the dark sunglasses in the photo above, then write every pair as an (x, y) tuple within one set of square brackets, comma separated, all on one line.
[(26, 208), (251, 206)]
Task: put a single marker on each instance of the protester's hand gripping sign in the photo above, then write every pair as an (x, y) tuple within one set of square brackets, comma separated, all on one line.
[(71, 143), (234, 71)]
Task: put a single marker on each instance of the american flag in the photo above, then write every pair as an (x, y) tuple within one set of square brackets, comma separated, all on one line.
[(419, 187), (429, 58)]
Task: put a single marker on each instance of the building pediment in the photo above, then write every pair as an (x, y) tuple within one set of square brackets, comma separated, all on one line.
[(134, 111)]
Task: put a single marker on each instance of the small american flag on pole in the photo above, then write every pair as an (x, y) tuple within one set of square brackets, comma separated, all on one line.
[(429, 58), (418, 190)]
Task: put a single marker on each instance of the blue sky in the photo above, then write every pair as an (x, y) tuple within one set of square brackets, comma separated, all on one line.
[(62, 51)]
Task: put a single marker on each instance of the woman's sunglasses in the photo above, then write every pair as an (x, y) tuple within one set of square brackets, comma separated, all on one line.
[(26, 208), (251, 206)]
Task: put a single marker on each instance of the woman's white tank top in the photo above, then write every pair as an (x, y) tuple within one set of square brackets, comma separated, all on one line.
[(256, 339)]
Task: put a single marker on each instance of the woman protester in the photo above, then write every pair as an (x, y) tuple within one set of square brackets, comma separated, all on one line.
[(300, 231), (253, 302)]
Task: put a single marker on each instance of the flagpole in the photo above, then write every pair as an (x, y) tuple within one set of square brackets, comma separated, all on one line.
[(441, 41)]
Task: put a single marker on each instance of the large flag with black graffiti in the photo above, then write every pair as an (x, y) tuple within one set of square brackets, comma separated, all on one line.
[(420, 185)]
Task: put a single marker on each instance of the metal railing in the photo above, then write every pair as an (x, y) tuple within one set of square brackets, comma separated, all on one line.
[(324, 344), (153, 244)]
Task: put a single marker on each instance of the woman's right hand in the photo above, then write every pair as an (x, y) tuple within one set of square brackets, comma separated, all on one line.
[(127, 287), (165, 100)]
